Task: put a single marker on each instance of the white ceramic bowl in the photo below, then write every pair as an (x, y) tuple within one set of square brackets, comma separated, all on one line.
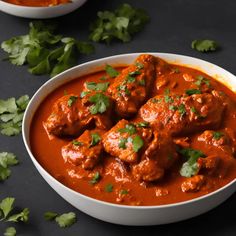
[(40, 12), (121, 214)]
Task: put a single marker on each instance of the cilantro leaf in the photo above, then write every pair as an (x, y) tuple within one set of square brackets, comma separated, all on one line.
[(77, 143), (124, 192), (137, 143), (66, 219), (129, 128), (100, 103), (71, 100), (6, 206), (202, 80), (97, 86), (120, 24), (49, 215), (111, 71), (190, 167), (143, 124), (182, 110), (22, 216), (96, 138), (95, 178), (193, 91), (204, 45), (10, 231), (109, 188), (217, 135), (122, 143)]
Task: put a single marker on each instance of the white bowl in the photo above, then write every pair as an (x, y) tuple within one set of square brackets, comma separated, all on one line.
[(122, 214), (40, 12)]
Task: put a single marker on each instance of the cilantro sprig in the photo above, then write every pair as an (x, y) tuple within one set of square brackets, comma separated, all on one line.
[(44, 51), (204, 45), (100, 103), (6, 160), (120, 24), (11, 115), (10, 231)]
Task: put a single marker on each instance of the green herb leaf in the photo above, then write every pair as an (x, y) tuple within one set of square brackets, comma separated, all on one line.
[(84, 93), (122, 143), (97, 86), (71, 100), (66, 219), (95, 178), (217, 135), (134, 73), (139, 65), (190, 168), (129, 128), (137, 143), (202, 80), (22, 216), (49, 215), (143, 124), (173, 108), (193, 91), (10, 231), (111, 71), (77, 143), (124, 192), (182, 109), (101, 103), (204, 45), (96, 138), (130, 79), (120, 24), (109, 188), (6, 206)]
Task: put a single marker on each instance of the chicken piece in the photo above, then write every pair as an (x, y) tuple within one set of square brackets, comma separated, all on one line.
[(180, 115), (220, 140), (149, 155), (71, 115), (131, 88), (210, 163), (193, 184), (125, 140), (85, 150)]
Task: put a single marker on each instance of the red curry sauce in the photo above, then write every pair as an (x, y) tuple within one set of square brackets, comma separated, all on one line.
[(117, 187), (37, 3)]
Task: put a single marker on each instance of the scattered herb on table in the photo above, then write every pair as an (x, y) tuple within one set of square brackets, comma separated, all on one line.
[(6, 160), (190, 167), (11, 115), (63, 220), (6, 207), (10, 231), (100, 103), (44, 51), (121, 24), (204, 45)]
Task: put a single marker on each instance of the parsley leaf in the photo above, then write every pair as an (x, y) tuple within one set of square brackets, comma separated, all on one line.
[(66, 219), (97, 86), (217, 135), (96, 138), (71, 100), (6, 160), (193, 91), (120, 24), (111, 71), (100, 103), (49, 215), (6, 206), (10, 231), (22, 216), (109, 188), (84, 93), (190, 167), (11, 115), (129, 128), (95, 178), (204, 45), (137, 143), (122, 143)]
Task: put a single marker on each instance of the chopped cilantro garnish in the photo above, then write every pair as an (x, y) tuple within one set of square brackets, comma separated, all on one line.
[(142, 82), (100, 103), (77, 143), (71, 100), (103, 78), (173, 108), (129, 128), (204, 45), (6, 160), (182, 110), (111, 71), (156, 100), (217, 135), (96, 138), (120, 24), (193, 109), (95, 178), (193, 91), (190, 167), (202, 80), (137, 143), (139, 65), (143, 124), (122, 143), (84, 93), (97, 86), (124, 192), (109, 188), (168, 99), (130, 79), (136, 72)]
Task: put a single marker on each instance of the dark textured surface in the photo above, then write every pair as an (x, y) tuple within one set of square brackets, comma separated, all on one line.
[(174, 24)]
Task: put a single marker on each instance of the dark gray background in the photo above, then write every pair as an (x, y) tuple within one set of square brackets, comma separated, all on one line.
[(174, 24)]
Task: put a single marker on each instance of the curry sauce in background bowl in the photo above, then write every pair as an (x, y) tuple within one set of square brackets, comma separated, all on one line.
[(181, 113), (39, 9)]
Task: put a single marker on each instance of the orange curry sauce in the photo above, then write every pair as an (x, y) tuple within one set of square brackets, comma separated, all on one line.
[(37, 3), (132, 192)]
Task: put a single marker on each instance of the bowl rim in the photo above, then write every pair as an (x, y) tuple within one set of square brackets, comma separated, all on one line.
[(45, 172), (54, 7)]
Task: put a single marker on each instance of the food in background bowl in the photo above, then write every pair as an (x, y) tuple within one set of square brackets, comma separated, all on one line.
[(37, 3), (147, 134)]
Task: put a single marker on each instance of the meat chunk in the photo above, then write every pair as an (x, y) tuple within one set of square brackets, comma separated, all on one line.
[(125, 141), (148, 156), (131, 88), (193, 184), (85, 150), (180, 115), (71, 115)]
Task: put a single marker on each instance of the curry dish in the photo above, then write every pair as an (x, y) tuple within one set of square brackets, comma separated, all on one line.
[(37, 3), (151, 133)]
